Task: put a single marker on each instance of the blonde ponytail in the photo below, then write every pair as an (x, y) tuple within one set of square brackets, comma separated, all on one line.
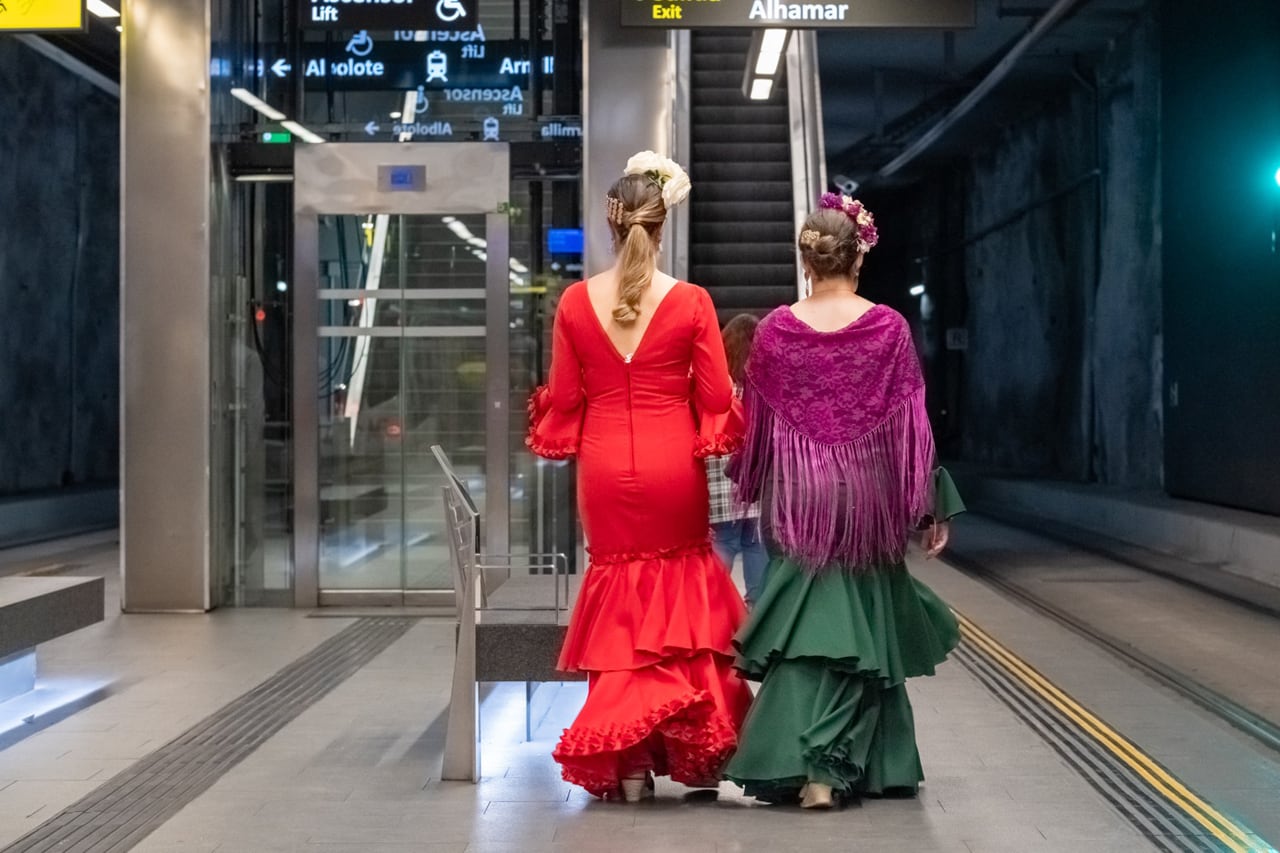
[(636, 212), (635, 271)]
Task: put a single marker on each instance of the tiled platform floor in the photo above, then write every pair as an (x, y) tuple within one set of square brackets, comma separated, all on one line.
[(358, 770)]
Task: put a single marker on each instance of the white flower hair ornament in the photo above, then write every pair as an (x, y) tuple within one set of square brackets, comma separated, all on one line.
[(663, 171)]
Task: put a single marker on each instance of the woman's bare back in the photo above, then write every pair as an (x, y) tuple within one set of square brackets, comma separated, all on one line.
[(602, 290)]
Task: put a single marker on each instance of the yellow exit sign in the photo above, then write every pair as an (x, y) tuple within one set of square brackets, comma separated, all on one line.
[(41, 15)]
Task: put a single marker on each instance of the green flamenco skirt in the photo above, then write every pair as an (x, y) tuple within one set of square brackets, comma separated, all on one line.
[(833, 653)]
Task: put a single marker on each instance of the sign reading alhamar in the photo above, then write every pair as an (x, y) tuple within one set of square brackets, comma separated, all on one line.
[(798, 14)]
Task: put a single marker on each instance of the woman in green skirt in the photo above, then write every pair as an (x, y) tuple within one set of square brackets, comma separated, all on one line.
[(840, 453)]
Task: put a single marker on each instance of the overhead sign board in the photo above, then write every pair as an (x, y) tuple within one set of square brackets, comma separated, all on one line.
[(438, 15), (798, 14), (35, 16), (366, 63)]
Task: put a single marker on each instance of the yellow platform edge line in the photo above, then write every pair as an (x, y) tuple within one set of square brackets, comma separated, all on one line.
[(1222, 827)]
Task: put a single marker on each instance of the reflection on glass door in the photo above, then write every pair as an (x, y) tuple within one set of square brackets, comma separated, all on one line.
[(401, 367)]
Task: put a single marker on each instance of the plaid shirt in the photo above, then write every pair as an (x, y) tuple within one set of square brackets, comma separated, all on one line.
[(721, 490)]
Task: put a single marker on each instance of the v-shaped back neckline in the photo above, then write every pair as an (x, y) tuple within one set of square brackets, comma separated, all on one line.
[(627, 358)]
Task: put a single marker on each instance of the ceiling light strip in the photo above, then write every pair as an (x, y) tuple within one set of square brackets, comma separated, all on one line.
[(247, 97), (102, 10), (301, 132)]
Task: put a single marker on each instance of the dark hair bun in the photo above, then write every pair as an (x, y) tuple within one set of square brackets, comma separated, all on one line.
[(828, 243)]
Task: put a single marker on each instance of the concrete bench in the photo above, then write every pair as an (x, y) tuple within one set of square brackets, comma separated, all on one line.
[(34, 610)]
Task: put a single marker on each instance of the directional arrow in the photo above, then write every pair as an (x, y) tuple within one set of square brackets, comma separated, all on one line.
[(280, 68), (372, 128)]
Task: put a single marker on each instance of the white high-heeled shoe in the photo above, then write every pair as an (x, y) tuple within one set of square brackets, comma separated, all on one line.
[(815, 795), (637, 788)]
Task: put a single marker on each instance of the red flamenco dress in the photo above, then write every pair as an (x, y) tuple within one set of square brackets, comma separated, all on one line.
[(655, 618)]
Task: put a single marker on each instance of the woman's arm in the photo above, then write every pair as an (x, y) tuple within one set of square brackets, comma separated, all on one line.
[(565, 378), (712, 388)]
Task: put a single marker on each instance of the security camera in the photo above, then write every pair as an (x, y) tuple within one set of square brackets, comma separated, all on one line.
[(846, 185)]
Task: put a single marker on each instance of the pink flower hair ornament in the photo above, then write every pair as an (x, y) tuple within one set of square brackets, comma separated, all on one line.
[(863, 223)]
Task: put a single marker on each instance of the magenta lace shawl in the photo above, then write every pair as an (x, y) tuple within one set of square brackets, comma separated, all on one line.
[(837, 431)]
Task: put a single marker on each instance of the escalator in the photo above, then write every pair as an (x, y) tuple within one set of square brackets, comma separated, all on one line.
[(741, 236)]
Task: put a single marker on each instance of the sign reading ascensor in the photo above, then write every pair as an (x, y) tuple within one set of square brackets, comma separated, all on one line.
[(438, 15), (798, 14), (34, 16)]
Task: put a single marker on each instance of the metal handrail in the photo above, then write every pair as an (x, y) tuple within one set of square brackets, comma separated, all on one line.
[(461, 752), (804, 112)]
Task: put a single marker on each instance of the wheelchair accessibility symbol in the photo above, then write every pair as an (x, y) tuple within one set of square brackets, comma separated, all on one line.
[(450, 10)]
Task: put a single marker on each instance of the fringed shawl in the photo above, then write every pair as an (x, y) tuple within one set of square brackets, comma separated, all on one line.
[(838, 441)]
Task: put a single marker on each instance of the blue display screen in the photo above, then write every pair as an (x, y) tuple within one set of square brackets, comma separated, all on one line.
[(564, 241)]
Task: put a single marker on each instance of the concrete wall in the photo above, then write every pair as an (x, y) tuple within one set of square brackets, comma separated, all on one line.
[(1062, 305), (59, 276)]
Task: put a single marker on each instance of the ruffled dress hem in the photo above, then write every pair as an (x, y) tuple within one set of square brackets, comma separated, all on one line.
[(689, 740), (833, 652), (651, 630)]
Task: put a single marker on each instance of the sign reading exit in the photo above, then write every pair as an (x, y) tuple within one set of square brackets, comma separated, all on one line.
[(34, 16), (798, 14), (387, 14)]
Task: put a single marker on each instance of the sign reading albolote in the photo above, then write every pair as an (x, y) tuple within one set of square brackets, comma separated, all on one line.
[(35, 16), (798, 14)]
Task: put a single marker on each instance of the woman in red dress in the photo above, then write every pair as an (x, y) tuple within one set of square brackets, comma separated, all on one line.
[(635, 355)]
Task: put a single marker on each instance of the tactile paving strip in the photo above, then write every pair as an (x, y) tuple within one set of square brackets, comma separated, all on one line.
[(1172, 817), (132, 804)]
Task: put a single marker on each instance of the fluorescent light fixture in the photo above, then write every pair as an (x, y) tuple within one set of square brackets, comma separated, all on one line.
[(917, 290), (265, 178), (282, 286), (516, 266), (408, 113), (102, 10), (768, 63), (771, 47), (247, 97), (119, 28), (395, 114), (774, 41), (761, 88), (301, 132)]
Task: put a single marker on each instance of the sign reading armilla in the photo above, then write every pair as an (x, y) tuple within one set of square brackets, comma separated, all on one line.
[(798, 14)]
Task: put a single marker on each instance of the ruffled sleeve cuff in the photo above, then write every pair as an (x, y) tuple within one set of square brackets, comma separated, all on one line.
[(947, 503), (720, 435), (553, 434)]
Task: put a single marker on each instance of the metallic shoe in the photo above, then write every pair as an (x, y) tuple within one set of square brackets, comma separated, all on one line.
[(637, 788), (815, 795)]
